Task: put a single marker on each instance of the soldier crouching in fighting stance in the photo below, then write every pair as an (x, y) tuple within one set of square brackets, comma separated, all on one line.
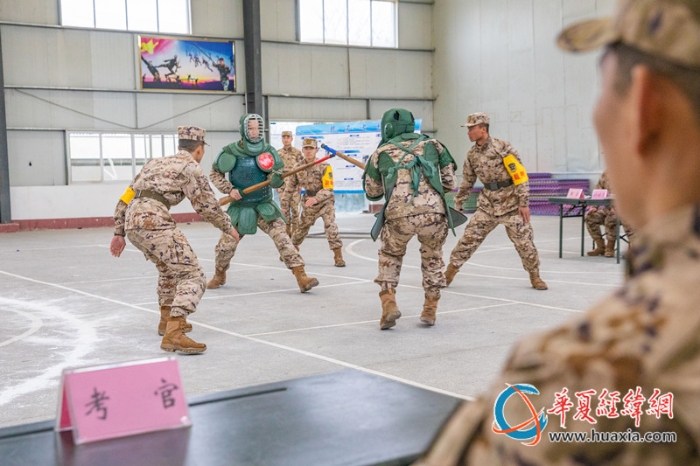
[(412, 172), (248, 162), (142, 214)]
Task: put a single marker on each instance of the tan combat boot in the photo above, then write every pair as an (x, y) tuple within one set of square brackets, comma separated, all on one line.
[(164, 316), (599, 248), (217, 280), (390, 310), (305, 283), (176, 340), (610, 249), (450, 273), (429, 310), (338, 257), (537, 282)]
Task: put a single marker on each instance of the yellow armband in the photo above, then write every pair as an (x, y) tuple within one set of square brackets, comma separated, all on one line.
[(515, 169), (328, 178), (128, 195)]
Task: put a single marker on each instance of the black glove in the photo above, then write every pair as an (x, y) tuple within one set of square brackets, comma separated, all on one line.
[(276, 180)]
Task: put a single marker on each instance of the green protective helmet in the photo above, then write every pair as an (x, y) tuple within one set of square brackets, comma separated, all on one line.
[(395, 122)]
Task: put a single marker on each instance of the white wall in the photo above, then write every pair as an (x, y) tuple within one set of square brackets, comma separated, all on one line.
[(500, 57)]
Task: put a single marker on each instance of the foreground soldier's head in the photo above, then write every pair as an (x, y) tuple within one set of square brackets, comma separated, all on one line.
[(648, 113), (396, 122), (191, 139), (310, 149)]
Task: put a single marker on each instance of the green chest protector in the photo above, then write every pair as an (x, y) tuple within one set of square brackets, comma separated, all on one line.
[(421, 165)]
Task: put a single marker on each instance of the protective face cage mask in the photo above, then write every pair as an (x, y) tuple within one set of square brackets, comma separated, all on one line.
[(259, 120)]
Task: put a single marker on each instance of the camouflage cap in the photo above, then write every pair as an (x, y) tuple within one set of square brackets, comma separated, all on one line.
[(477, 119), (310, 142), (668, 29), (193, 133), (287, 133)]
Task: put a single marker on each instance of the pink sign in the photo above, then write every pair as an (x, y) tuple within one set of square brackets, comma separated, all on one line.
[(599, 194), (108, 401), (575, 193)]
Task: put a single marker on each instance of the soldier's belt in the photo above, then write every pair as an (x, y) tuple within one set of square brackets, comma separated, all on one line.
[(311, 193), (152, 195), (498, 185)]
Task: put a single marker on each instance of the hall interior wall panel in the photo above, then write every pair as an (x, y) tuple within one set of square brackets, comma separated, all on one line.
[(38, 158), (217, 18), (422, 109), (72, 110), (278, 20), (46, 57), (415, 26), (29, 11), (162, 112), (384, 73), (304, 70), (316, 110)]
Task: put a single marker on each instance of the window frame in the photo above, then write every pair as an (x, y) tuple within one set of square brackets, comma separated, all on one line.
[(188, 11), (347, 26), (165, 150)]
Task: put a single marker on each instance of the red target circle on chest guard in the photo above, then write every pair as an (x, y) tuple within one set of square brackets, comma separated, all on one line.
[(266, 161)]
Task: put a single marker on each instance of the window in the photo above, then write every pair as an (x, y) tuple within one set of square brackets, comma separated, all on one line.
[(370, 23), (114, 156), (133, 15)]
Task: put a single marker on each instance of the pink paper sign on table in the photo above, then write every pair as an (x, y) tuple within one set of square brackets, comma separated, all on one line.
[(575, 193), (599, 194), (117, 400)]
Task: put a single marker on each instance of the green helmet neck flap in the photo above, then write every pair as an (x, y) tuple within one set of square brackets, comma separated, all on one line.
[(397, 122)]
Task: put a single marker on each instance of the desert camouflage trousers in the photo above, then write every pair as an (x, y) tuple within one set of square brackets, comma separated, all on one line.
[(607, 217), (481, 224), (226, 247), (181, 280), (290, 209), (309, 215), (431, 230)]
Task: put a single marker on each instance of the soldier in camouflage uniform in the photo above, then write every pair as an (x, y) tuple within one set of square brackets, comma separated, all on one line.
[(500, 202), (249, 162), (416, 171), (291, 156), (319, 200), (643, 337), (604, 215), (142, 215)]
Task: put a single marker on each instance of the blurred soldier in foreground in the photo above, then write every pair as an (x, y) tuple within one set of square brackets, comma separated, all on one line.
[(504, 200), (412, 172), (319, 200), (607, 217), (635, 355), (142, 214), (249, 162)]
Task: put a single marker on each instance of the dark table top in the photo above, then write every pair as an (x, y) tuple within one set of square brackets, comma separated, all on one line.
[(587, 201), (342, 418)]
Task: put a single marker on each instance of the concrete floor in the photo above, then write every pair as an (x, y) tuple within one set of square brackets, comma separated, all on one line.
[(65, 302)]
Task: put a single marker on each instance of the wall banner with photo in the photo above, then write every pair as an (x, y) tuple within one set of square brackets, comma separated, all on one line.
[(167, 63)]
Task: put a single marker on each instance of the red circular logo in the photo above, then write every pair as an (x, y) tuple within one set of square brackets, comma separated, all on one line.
[(266, 161)]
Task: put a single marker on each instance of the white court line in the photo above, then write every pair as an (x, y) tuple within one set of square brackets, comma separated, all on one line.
[(36, 324), (256, 340), (265, 292), (349, 250), (362, 322)]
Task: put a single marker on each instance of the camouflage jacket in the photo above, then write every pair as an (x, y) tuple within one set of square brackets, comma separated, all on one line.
[(604, 182), (646, 335), (290, 157), (311, 180), (403, 203), (486, 162), (175, 178)]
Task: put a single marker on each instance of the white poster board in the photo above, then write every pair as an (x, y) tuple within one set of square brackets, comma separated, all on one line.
[(358, 139)]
